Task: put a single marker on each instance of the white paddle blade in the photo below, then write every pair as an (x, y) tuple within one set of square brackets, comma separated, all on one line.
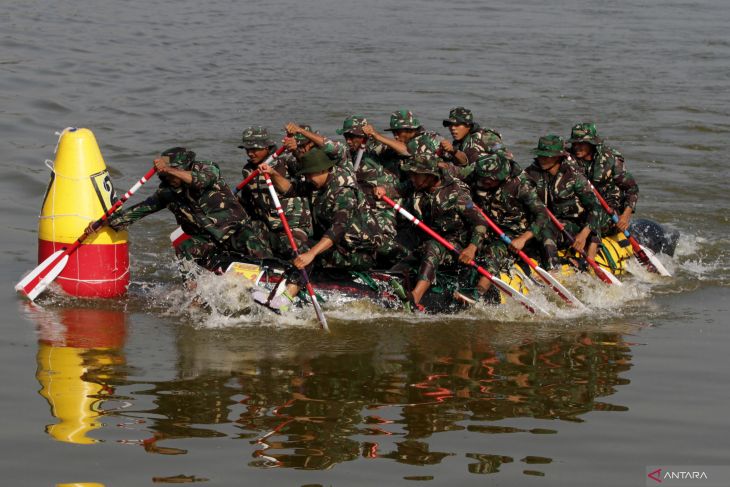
[(47, 279), (655, 262), (35, 272), (614, 280), (519, 297), (559, 288)]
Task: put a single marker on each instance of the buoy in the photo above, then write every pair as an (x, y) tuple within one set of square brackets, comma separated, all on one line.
[(81, 191)]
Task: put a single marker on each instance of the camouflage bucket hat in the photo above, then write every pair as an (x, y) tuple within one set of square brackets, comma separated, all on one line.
[(353, 125), (314, 161), (403, 119), (424, 163), (301, 139), (256, 138), (550, 146), (492, 166), (458, 116), (585, 132), (179, 157)]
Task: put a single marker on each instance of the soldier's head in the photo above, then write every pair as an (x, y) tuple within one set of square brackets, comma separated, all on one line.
[(423, 171), (178, 158), (352, 131), (404, 125), (584, 139), (303, 144), (459, 123), (550, 152), (257, 143), (315, 166), (491, 170)]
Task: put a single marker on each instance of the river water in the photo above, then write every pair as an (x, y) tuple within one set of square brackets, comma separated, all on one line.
[(141, 390)]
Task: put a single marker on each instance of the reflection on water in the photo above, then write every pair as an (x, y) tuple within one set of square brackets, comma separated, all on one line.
[(78, 352)]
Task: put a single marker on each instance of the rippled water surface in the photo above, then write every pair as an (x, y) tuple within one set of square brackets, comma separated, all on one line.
[(147, 390)]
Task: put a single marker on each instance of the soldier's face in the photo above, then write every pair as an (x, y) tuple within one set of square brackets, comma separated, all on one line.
[(173, 181), (354, 141), (487, 183), (458, 131), (550, 164), (318, 179), (582, 150), (404, 135), (257, 155), (422, 181)]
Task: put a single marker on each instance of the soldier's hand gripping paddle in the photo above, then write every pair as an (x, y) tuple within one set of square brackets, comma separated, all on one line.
[(645, 256), (501, 285), (295, 248), (256, 172), (602, 274), (47, 271), (561, 290)]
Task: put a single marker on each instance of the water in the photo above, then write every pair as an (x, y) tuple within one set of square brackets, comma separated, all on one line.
[(162, 393)]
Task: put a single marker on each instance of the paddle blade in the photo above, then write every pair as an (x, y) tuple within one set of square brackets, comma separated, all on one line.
[(609, 275), (317, 308), (562, 291), (654, 261), (44, 279), (519, 297), (31, 276)]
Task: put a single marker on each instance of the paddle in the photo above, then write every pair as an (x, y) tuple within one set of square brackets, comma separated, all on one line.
[(503, 286), (645, 256), (358, 157), (38, 280), (256, 172), (561, 290), (293, 243), (602, 274)]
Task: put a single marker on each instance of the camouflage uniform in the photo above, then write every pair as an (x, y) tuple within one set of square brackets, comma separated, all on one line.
[(256, 199), (449, 211), (607, 172), (205, 209), (478, 142), (340, 213), (337, 151), (567, 194), (513, 206)]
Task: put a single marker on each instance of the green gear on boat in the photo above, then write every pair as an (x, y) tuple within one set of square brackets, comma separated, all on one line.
[(585, 132), (403, 119), (256, 137), (180, 157), (459, 116), (550, 146), (314, 161), (353, 125), (424, 163)]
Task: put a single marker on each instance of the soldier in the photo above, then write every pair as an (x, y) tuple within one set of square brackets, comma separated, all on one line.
[(204, 207), (301, 139), (445, 206), (566, 192), (468, 136), (346, 236), (256, 199), (409, 137), (605, 168), (501, 189)]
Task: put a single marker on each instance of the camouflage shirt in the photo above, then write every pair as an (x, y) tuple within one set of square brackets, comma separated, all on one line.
[(567, 194), (477, 142), (339, 211), (607, 172), (256, 199), (338, 152), (205, 207)]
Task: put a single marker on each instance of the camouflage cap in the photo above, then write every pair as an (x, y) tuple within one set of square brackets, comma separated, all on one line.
[(180, 157), (256, 137), (403, 119), (459, 116), (301, 139), (353, 125), (550, 146), (424, 163), (492, 166), (314, 161), (585, 132)]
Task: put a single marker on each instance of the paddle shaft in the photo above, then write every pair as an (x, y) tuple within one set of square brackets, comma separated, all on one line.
[(295, 248), (449, 246), (598, 270), (358, 157)]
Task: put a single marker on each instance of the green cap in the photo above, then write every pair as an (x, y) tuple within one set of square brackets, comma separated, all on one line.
[(179, 157), (585, 132), (403, 119), (493, 166), (301, 139), (353, 125), (550, 146), (256, 137), (314, 161), (424, 163), (459, 116)]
